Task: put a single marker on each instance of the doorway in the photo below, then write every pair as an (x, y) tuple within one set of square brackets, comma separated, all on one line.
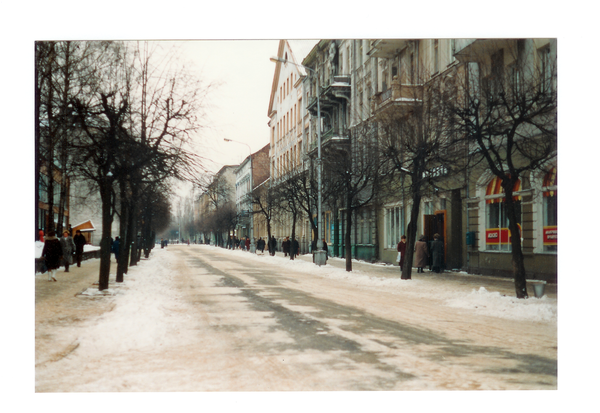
[(435, 224)]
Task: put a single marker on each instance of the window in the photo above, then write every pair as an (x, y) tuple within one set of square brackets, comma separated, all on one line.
[(359, 56), (497, 235), (384, 80), (394, 226), (497, 77), (545, 69), (550, 208), (515, 79), (412, 69), (436, 62)]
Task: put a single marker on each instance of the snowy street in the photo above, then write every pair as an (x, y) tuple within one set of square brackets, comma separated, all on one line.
[(200, 318)]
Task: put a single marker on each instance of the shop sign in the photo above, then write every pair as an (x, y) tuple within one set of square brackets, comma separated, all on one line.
[(498, 235), (550, 235)]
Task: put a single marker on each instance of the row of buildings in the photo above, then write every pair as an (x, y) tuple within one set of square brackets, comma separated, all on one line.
[(343, 83)]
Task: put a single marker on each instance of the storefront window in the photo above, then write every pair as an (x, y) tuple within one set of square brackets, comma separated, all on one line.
[(550, 206), (497, 234)]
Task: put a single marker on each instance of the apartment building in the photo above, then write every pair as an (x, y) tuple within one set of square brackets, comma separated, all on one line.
[(288, 124), (358, 81)]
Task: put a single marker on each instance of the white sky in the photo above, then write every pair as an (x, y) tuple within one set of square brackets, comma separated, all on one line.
[(238, 106)]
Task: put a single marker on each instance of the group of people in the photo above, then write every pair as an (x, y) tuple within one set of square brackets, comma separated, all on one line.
[(290, 248), (435, 250), (235, 243), (57, 252)]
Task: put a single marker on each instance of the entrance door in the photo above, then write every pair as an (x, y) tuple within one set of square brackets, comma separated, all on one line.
[(435, 224)]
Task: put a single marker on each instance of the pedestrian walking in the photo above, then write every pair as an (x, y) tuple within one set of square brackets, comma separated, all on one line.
[(52, 254), (247, 243), (41, 234), (272, 245), (79, 241), (437, 253), (401, 251), (421, 254), (116, 246), (296, 247), (68, 248), (260, 245), (285, 246)]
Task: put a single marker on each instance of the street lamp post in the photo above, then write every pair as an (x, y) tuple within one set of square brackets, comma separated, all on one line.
[(320, 254), (252, 244)]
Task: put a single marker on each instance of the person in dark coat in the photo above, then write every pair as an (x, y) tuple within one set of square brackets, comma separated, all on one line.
[(326, 250), (402, 250), (285, 246), (79, 241), (437, 253), (116, 245), (52, 254), (272, 245), (68, 248), (296, 247), (247, 243), (260, 245), (421, 254)]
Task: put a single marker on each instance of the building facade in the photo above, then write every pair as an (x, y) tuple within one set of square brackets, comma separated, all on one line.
[(357, 81)]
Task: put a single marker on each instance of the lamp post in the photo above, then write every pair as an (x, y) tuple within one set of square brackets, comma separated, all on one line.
[(252, 244), (320, 254)]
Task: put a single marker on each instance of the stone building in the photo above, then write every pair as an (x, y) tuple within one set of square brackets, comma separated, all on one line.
[(360, 81)]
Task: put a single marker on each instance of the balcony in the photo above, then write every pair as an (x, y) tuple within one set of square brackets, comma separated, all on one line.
[(400, 98), (387, 48), (336, 91), (475, 50), (328, 137)]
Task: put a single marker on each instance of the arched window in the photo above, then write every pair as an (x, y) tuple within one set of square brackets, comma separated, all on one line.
[(550, 207), (497, 235)]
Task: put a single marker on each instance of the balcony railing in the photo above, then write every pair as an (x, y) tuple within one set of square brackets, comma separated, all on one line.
[(399, 96)]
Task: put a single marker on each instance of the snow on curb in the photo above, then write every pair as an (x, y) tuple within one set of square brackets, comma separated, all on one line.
[(494, 304)]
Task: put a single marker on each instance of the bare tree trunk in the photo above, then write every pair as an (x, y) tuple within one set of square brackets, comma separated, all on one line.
[(347, 235), (411, 236), (518, 261), (292, 247), (105, 244), (123, 224), (133, 223)]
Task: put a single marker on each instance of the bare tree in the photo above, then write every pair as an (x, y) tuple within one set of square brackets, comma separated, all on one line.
[(420, 145), (508, 114), (265, 203), (135, 125), (355, 172)]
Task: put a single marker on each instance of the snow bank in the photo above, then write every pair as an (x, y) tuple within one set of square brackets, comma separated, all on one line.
[(497, 305), (39, 246), (143, 316)]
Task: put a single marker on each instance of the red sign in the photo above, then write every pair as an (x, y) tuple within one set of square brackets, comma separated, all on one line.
[(498, 235), (550, 235)]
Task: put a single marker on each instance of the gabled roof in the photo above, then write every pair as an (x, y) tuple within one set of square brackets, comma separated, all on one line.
[(285, 46), (86, 226)]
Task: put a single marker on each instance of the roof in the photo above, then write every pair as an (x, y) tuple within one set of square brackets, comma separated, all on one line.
[(297, 49), (86, 226)]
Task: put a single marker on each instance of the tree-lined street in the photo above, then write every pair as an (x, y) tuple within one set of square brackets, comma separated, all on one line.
[(199, 318)]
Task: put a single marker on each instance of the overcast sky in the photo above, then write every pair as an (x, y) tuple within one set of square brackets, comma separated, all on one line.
[(238, 106)]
